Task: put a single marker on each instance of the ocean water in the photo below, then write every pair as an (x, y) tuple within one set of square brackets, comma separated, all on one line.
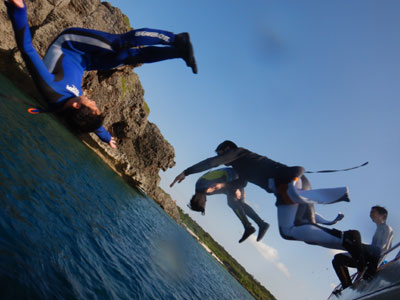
[(70, 228)]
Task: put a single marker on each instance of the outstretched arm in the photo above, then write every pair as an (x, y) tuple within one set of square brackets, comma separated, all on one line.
[(319, 219), (106, 137), (208, 164), (178, 179)]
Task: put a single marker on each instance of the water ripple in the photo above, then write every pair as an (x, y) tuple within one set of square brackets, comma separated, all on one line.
[(70, 228)]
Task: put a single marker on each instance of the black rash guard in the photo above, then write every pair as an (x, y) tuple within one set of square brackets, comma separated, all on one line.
[(251, 167)]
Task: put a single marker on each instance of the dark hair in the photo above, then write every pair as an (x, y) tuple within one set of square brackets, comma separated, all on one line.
[(225, 144), (381, 210), (198, 202), (82, 119)]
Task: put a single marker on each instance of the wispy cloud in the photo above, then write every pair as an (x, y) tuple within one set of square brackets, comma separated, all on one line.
[(270, 254)]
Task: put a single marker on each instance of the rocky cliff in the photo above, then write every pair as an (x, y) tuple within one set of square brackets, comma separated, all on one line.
[(142, 151)]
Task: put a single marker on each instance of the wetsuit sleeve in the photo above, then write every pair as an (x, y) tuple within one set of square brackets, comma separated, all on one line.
[(103, 134), (238, 184), (202, 166), (213, 162), (319, 219)]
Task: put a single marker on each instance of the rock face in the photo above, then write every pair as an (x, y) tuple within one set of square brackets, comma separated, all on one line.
[(142, 151)]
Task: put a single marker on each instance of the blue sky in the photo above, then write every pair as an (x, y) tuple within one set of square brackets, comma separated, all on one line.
[(311, 83)]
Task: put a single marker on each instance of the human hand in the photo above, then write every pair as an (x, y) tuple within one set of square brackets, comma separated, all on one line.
[(210, 190), (113, 143), (219, 186), (339, 217), (178, 179), (238, 194), (215, 187)]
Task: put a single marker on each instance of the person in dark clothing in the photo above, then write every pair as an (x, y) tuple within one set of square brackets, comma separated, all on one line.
[(59, 75), (226, 181), (250, 166), (286, 183), (381, 241)]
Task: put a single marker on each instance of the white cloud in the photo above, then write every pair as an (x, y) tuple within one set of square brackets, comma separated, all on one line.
[(270, 254), (283, 269)]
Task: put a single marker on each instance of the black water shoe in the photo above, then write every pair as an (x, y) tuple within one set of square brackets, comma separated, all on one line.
[(247, 232), (182, 42), (262, 230)]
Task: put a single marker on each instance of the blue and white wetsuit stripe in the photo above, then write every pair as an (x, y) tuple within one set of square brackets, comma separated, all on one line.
[(59, 76)]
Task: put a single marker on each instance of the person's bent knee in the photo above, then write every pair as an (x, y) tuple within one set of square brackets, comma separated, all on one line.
[(297, 171), (285, 234)]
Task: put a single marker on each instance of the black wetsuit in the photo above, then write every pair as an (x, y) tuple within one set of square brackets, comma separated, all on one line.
[(251, 167), (233, 182)]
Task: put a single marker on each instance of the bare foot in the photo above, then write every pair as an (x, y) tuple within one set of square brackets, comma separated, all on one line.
[(17, 3)]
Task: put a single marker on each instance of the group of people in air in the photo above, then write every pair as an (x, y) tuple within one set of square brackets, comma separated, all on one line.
[(76, 50), (295, 201)]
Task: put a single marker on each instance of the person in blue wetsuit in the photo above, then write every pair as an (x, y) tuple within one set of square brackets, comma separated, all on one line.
[(226, 181), (59, 75)]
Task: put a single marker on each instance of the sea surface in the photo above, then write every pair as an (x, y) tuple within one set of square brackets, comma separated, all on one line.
[(70, 228)]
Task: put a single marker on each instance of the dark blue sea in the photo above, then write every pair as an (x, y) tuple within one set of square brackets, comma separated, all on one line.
[(70, 228)]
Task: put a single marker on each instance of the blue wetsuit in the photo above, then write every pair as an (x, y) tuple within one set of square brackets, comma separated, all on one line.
[(76, 50)]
